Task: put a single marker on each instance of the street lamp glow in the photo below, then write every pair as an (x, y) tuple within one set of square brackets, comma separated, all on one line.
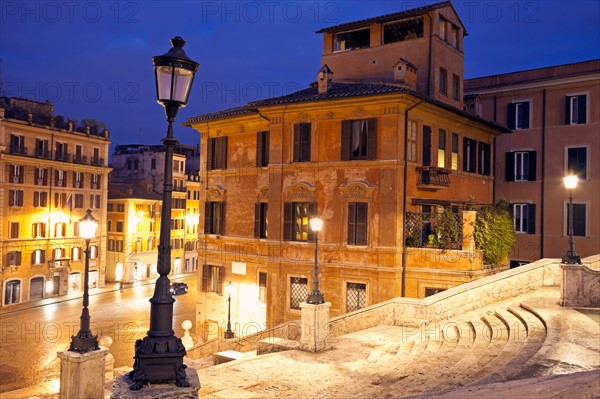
[(88, 226), (570, 182), (316, 224)]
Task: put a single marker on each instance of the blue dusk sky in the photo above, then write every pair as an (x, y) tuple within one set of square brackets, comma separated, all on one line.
[(92, 59)]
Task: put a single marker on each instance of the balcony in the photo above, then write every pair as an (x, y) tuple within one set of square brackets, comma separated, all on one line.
[(180, 189), (97, 161), (61, 156), (82, 159), (42, 153), (433, 178), (17, 150)]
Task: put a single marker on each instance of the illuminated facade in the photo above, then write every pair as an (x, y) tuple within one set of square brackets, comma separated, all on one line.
[(360, 152), (51, 174), (553, 115), (134, 206)]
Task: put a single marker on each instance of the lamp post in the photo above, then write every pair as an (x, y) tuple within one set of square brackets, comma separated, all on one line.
[(316, 297), (228, 333), (85, 341), (159, 356), (571, 256)]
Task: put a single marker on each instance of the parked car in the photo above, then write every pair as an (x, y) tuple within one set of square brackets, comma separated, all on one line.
[(178, 288)]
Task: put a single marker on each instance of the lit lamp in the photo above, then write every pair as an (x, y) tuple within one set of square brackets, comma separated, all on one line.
[(159, 356), (228, 333), (85, 341), (571, 256), (316, 297)]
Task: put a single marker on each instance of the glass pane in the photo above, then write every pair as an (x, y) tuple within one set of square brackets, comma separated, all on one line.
[(181, 84), (163, 82)]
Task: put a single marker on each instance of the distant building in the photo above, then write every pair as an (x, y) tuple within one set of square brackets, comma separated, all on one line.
[(134, 207), (379, 142), (52, 172), (553, 113)]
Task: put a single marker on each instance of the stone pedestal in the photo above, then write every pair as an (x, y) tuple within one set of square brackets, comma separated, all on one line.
[(157, 390), (315, 325), (82, 374), (579, 287)]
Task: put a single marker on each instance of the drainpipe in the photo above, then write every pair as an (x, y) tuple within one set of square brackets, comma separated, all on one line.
[(542, 187), (429, 60), (405, 175)]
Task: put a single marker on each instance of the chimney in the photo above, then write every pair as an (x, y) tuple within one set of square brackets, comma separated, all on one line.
[(149, 187), (130, 191), (405, 73), (70, 126), (324, 79)]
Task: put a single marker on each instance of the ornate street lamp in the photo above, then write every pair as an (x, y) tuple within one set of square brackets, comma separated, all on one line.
[(85, 341), (316, 297), (228, 333), (159, 356), (571, 256)]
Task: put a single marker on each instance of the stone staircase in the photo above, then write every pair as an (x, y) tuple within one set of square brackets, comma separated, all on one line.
[(527, 336)]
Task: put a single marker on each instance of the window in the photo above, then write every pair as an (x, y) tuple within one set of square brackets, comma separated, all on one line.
[(433, 291), (95, 201), (262, 287), (16, 173), (77, 180), (12, 292), (17, 144), (302, 142), (260, 219), (524, 218), (40, 199), (120, 207), (61, 153), (217, 153), (484, 158), (110, 245), (14, 229), (518, 115), (443, 81), (577, 161), (454, 161), (59, 253), (357, 223), (441, 155), (15, 198), (469, 155), (153, 164), (60, 200), (298, 291), (455, 87), (403, 30), (118, 245), (442, 28), (296, 216), (76, 253), (38, 257), (356, 296), (262, 148), (95, 184), (38, 230), (360, 38), (521, 166), (119, 226), (454, 37), (411, 151), (13, 258), (212, 279), (579, 220), (78, 153), (41, 177), (60, 178), (78, 201), (359, 139), (93, 252), (60, 230), (576, 110), (214, 217)]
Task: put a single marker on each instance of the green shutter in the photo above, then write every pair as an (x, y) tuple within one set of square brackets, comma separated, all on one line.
[(511, 116), (372, 138), (345, 143)]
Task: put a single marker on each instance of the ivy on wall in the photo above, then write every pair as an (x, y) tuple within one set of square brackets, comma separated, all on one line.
[(494, 233)]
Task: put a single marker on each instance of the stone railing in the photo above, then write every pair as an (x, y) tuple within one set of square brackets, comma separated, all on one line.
[(581, 283), (289, 331), (452, 302)]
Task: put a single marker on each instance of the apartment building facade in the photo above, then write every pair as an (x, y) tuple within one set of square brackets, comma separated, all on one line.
[(359, 152), (134, 209), (51, 174), (555, 122)]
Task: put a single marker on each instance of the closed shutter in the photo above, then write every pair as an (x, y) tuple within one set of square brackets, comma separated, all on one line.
[(207, 217), (510, 166), (221, 215), (305, 145), (209, 154), (205, 277), (259, 149), (220, 282), (372, 138), (567, 110), (532, 166), (297, 134), (257, 220), (223, 153), (531, 218), (288, 210), (510, 116), (352, 223), (361, 223), (346, 134)]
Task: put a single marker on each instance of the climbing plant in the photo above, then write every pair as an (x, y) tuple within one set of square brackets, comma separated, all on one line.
[(494, 233)]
